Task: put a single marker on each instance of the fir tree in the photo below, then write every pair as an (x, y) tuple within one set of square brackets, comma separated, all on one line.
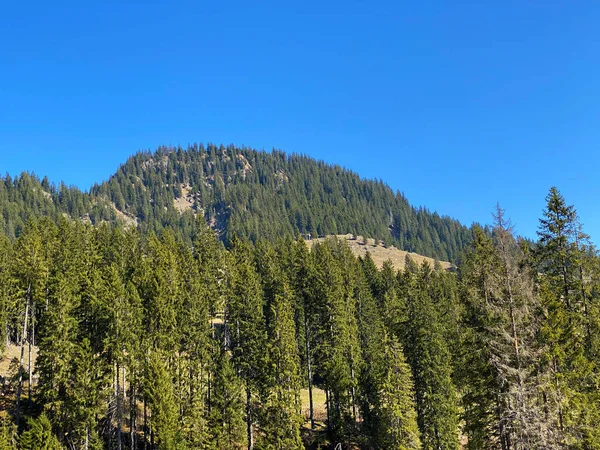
[(246, 328), (226, 416), (39, 435), (431, 364)]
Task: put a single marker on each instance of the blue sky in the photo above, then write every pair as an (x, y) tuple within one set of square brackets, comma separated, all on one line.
[(458, 105)]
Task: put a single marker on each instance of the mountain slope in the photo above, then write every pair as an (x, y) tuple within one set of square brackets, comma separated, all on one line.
[(240, 191)]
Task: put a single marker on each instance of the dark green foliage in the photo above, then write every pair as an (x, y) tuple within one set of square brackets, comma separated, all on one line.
[(238, 191), (148, 342), (226, 415), (337, 346), (429, 356), (8, 435), (5, 298), (569, 262), (386, 396), (162, 401), (39, 435)]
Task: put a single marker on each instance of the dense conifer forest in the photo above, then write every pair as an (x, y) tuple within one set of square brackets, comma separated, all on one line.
[(241, 192), (211, 332)]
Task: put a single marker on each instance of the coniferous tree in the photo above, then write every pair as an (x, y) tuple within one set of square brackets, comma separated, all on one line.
[(8, 435), (39, 435), (337, 344), (59, 341), (386, 388), (508, 373), (5, 277), (30, 267), (162, 402), (560, 257), (429, 357), (246, 329), (282, 405), (300, 273), (478, 383), (226, 416)]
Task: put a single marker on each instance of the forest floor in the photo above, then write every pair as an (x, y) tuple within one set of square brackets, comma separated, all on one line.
[(11, 355), (381, 253), (9, 362), (319, 408)]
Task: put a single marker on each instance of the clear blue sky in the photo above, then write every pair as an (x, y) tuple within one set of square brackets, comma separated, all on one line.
[(459, 105)]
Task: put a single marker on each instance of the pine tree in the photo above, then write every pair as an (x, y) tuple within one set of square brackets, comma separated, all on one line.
[(282, 406), (8, 435), (30, 267), (226, 417), (281, 397), (429, 357), (5, 276), (162, 402), (507, 373), (386, 394), (394, 406), (515, 350), (300, 273), (39, 435), (194, 351), (59, 330), (246, 329), (567, 334), (337, 339), (478, 382)]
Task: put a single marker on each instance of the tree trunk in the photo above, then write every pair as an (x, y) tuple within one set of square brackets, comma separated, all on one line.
[(31, 343), (145, 424), (119, 412), (328, 408), (309, 375), (23, 338), (132, 415), (353, 393), (249, 419)]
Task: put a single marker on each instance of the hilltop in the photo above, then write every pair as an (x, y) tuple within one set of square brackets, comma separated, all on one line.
[(238, 191)]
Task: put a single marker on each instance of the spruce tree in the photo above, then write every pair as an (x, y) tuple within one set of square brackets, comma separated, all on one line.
[(59, 332), (162, 402), (430, 360), (337, 339), (560, 257), (282, 419), (245, 324), (39, 435), (5, 277), (8, 435), (226, 416)]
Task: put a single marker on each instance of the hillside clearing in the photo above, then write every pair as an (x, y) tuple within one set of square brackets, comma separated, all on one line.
[(379, 253)]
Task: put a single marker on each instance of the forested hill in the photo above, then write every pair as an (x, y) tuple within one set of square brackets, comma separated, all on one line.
[(240, 191)]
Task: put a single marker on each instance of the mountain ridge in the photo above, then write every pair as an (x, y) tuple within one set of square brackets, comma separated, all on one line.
[(238, 191)]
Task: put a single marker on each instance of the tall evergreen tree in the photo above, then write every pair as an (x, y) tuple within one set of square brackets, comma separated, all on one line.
[(39, 435), (246, 328), (337, 347), (560, 257), (386, 389), (226, 416), (431, 364)]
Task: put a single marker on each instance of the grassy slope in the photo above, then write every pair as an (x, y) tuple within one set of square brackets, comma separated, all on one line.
[(380, 254)]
